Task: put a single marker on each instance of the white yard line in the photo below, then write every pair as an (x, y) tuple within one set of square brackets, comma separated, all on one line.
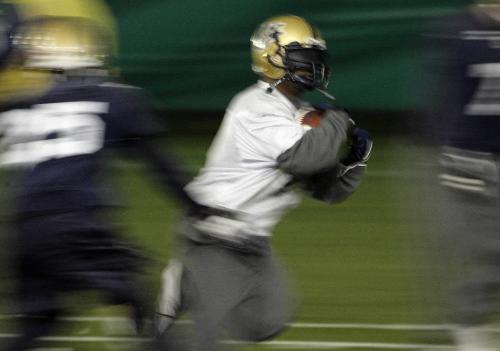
[(281, 344), (303, 325), (332, 345), (86, 338), (298, 325), (374, 326)]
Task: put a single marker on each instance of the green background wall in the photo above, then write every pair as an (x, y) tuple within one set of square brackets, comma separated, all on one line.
[(194, 54)]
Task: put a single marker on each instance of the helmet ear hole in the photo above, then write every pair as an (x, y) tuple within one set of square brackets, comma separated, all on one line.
[(276, 60), (278, 57)]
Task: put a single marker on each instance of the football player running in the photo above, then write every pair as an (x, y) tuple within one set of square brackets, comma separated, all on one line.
[(226, 275), (59, 140)]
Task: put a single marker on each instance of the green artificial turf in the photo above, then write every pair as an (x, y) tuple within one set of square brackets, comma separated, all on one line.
[(355, 262)]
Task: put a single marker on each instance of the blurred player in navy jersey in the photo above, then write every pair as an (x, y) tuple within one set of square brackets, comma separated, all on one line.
[(59, 141), (17, 83), (469, 133)]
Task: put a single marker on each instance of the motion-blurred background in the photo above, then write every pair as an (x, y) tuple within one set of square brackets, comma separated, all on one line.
[(194, 54), (367, 270)]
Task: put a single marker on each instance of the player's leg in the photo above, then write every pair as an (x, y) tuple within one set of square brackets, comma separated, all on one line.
[(38, 306), (90, 255), (473, 222), (217, 279), (477, 297), (177, 291), (31, 327), (104, 261), (220, 279), (268, 305), (36, 296), (477, 301)]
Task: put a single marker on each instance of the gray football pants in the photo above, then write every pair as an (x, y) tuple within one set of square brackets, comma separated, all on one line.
[(473, 228), (231, 295)]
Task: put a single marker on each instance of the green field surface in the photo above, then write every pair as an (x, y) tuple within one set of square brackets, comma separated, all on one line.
[(360, 268)]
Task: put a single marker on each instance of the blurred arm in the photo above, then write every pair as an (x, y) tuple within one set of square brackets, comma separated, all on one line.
[(318, 149), (167, 169), (135, 129), (334, 186)]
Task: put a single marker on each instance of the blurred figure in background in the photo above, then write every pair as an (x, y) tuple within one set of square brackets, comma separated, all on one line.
[(59, 139), (17, 83), (470, 159), (226, 274)]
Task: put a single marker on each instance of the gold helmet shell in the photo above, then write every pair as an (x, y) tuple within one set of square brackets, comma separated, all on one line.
[(95, 10), (17, 83), (61, 43), (276, 38)]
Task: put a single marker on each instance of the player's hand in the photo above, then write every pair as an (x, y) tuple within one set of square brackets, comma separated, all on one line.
[(359, 150), (361, 146)]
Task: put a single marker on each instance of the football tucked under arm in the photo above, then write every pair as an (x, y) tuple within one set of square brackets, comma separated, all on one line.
[(344, 174), (311, 119), (319, 148)]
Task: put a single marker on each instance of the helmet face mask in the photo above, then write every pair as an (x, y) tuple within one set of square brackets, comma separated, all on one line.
[(289, 48), (307, 68)]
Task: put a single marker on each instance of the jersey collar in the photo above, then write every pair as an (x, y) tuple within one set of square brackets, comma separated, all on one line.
[(294, 104)]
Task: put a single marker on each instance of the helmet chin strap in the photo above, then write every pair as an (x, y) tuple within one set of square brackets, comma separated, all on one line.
[(273, 86), (326, 94)]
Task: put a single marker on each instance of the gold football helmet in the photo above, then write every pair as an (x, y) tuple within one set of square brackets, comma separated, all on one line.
[(289, 48), (17, 83), (96, 10), (60, 43)]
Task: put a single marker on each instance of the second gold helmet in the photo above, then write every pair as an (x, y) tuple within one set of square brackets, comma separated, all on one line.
[(61, 43)]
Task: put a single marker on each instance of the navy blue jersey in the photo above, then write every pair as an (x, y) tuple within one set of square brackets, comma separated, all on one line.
[(59, 141), (471, 96)]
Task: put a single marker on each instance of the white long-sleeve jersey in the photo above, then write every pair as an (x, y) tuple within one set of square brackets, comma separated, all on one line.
[(241, 171)]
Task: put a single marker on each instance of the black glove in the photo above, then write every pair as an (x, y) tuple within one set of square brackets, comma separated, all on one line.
[(359, 150)]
